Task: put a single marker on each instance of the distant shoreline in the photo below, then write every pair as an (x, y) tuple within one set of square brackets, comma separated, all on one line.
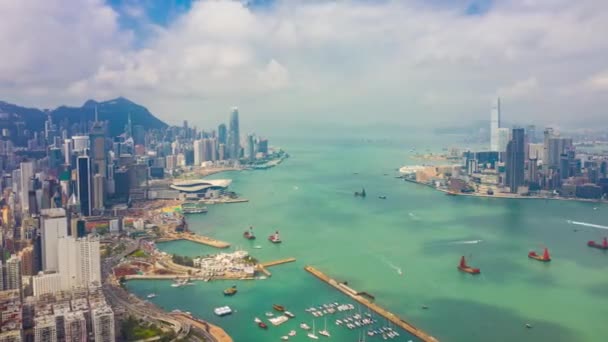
[(503, 195)]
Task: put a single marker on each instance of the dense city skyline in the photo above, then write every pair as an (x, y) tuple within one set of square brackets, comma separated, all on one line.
[(362, 62)]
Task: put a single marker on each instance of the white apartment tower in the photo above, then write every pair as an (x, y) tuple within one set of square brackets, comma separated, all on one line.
[(103, 324), (79, 262), (53, 225), (27, 172), (45, 329), (75, 327), (494, 126)]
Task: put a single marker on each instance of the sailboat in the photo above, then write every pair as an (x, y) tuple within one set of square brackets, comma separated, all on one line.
[(312, 334), (324, 332)]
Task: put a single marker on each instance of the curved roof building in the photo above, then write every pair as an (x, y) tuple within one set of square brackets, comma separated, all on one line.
[(200, 185)]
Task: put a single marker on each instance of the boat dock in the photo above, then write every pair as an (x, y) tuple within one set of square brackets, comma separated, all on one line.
[(262, 266), (360, 297), (203, 240), (278, 262)]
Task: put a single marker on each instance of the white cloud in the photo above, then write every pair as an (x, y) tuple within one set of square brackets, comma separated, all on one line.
[(361, 61)]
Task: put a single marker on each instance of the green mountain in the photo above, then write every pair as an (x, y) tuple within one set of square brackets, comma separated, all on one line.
[(114, 111)]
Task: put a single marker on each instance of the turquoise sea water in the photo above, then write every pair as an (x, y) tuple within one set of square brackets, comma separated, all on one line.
[(309, 199)]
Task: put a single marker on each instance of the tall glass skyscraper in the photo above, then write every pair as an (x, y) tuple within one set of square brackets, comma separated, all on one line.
[(221, 134), (234, 143), (84, 184), (515, 160)]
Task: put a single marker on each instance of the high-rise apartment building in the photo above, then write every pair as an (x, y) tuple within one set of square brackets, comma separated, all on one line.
[(53, 226), (102, 318), (99, 190), (27, 172), (45, 329), (494, 125), (515, 161), (75, 326), (79, 262), (199, 153), (12, 272)]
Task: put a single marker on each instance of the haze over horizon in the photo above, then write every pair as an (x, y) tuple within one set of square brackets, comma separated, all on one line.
[(418, 62)]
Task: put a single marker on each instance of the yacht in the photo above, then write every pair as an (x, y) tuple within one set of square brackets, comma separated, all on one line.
[(274, 238), (257, 320), (269, 314), (304, 326), (324, 332), (312, 334), (151, 295), (292, 333)]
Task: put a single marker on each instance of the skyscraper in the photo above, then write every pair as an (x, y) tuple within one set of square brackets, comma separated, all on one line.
[(221, 134), (504, 136), (53, 226), (250, 147), (13, 274), (547, 135), (199, 154), (103, 324), (98, 191), (234, 143), (84, 184), (494, 125), (515, 160), (27, 172)]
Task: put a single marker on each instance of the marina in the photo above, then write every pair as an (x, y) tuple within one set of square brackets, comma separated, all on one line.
[(398, 321)]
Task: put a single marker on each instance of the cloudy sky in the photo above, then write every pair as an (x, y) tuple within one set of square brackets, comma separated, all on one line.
[(423, 61)]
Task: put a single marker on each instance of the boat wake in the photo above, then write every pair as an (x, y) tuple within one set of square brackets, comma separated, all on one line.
[(393, 266), (587, 224), (414, 217), (466, 242)]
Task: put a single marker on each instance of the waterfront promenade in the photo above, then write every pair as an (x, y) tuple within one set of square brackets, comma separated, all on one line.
[(361, 298)]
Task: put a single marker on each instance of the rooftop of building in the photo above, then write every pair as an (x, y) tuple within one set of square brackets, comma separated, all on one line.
[(196, 185)]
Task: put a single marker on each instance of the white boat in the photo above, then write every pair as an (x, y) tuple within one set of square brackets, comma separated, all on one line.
[(269, 314), (312, 334), (222, 311), (151, 295), (324, 332), (257, 247), (304, 326), (289, 314), (285, 338), (292, 333), (278, 320), (257, 320)]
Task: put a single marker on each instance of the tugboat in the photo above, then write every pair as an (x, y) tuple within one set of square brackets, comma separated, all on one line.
[(466, 268), (603, 245), (231, 291), (278, 307), (544, 258), (249, 234), (274, 238)]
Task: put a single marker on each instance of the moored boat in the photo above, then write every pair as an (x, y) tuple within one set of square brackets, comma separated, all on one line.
[(603, 245), (292, 333), (289, 314), (262, 325), (151, 295), (544, 258), (312, 334), (304, 326), (249, 234), (274, 238), (231, 291), (466, 268), (278, 307)]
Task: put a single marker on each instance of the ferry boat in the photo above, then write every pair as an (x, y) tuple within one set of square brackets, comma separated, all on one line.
[(151, 295), (545, 257), (231, 291), (463, 267), (222, 311), (274, 238), (603, 245), (249, 234), (193, 208), (278, 307)]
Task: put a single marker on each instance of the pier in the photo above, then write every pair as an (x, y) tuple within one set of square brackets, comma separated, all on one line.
[(262, 266), (203, 240), (360, 297), (278, 262)]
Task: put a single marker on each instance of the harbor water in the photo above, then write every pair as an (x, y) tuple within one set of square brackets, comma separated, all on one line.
[(403, 250)]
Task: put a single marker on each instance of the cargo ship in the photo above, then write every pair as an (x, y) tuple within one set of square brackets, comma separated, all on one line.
[(603, 245), (463, 267), (544, 258), (274, 238), (249, 234)]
